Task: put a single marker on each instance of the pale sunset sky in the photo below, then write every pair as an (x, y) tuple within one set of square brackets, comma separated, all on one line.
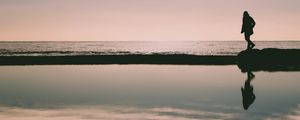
[(146, 20)]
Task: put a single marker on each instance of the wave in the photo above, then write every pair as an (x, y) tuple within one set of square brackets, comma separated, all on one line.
[(78, 53)]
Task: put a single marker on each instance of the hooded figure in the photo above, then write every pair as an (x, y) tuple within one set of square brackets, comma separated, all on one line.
[(247, 29)]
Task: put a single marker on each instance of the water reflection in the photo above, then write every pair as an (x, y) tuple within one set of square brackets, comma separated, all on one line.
[(247, 91), (143, 92)]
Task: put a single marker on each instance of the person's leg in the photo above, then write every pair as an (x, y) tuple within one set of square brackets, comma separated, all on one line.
[(247, 38), (252, 44)]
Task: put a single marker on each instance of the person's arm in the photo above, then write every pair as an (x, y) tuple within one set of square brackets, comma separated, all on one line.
[(242, 90), (242, 31), (253, 98), (253, 22)]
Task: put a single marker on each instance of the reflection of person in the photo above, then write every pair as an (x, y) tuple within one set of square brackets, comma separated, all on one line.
[(247, 91), (247, 29)]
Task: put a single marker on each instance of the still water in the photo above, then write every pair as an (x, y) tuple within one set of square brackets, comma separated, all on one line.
[(146, 92)]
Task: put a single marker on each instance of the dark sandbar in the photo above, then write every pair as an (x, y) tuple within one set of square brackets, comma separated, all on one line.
[(180, 59), (269, 59)]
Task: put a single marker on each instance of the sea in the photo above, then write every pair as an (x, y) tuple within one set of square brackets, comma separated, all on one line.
[(65, 48)]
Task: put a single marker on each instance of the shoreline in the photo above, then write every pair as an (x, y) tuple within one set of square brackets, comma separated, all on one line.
[(269, 59)]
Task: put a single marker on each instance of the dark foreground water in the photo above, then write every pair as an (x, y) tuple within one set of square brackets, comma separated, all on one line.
[(146, 92)]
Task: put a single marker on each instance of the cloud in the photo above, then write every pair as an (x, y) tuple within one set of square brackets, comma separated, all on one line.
[(108, 113), (294, 114)]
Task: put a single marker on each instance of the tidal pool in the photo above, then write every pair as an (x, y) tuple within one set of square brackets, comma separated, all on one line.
[(146, 92)]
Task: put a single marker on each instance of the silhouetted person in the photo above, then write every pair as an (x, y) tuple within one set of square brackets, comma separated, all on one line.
[(247, 29), (247, 91)]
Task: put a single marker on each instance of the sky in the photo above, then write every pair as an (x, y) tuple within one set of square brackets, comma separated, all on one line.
[(146, 20)]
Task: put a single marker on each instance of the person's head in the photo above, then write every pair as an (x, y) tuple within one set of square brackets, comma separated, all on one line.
[(246, 13)]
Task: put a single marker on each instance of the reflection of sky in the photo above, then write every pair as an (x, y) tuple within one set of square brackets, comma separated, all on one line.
[(142, 92)]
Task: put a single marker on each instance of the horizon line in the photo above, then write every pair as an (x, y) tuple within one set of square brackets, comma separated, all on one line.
[(147, 41)]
